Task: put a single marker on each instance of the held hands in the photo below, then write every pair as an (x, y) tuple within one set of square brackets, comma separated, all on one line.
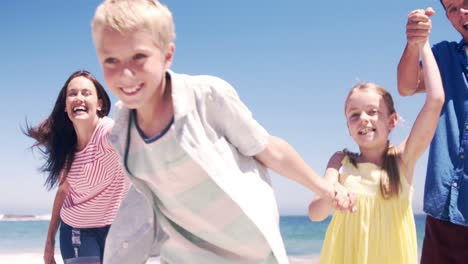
[(332, 196), (343, 200), (419, 26)]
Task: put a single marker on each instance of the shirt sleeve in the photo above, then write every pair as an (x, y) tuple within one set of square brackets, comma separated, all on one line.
[(118, 134), (234, 120), (107, 126)]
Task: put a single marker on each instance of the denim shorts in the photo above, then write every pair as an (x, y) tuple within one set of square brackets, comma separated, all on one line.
[(82, 245)]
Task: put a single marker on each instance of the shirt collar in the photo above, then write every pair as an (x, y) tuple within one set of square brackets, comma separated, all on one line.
[(462, 45), (182, 100), (182, 96)]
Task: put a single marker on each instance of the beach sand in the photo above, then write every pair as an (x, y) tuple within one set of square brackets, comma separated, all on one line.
[(36, 258), (292, 260), (26, 258)]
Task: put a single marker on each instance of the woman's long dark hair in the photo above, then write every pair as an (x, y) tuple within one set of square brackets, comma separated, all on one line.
[(56, 137)]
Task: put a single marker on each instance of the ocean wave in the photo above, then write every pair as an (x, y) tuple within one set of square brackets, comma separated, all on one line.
[(21, 217)]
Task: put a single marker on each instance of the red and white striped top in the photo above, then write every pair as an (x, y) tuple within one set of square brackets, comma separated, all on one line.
[(97, 182)]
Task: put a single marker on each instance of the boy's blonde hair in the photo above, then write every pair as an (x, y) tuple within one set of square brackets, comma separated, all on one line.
[(390, 183), (128, 15)]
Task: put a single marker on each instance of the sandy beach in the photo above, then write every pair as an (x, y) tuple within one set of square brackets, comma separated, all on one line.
[(26, 258), (292, 260), (36, 258)]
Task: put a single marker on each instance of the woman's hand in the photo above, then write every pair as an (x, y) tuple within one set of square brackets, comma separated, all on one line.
[(49, 253)]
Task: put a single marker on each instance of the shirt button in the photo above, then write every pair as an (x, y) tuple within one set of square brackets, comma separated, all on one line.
[(466, 127), (125, 245), (455, 184), (462, 156), (150, 220)]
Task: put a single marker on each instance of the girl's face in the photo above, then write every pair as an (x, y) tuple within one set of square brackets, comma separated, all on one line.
[(368, 119), (82, 103)]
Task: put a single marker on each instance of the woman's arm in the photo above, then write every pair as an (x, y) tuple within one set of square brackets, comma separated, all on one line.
[(55, 222)]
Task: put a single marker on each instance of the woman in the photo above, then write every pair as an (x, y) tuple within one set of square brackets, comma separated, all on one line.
[(82, 163)]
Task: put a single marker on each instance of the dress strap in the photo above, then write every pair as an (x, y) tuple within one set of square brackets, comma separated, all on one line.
[(344, 164), (345, 160)]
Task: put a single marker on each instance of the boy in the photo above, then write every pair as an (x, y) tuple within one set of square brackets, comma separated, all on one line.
[(446, 188), (193, 151)]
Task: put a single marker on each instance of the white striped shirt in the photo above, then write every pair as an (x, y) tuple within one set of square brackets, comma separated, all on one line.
[(203, 223), (97, 182), (219, 136)]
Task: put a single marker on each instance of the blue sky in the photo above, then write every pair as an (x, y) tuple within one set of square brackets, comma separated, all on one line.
[(292, 63)]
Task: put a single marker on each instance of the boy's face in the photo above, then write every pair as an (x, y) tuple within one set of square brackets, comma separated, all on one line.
[(134, 67), (457, 13)]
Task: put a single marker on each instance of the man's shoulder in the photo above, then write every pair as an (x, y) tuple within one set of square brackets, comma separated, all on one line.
[(445, 46), (447, 42)]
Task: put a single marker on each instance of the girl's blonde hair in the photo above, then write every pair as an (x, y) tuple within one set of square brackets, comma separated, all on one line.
[(390, 183), (129, 15)]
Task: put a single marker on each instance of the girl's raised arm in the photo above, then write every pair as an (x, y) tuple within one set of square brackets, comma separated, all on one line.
[(425, 125)]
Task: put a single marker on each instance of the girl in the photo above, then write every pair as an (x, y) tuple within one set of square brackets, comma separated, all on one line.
[(381, 175), (81, 161)]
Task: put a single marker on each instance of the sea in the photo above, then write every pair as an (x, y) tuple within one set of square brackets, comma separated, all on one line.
[(22, 238)]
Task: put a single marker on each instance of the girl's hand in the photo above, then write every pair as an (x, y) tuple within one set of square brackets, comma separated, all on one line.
[(343, 200)]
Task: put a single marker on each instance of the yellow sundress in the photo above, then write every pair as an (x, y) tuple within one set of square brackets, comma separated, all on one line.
[(381, 231)]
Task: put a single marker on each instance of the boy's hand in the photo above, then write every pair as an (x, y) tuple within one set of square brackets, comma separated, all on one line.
[(343, 199), (419, 26)]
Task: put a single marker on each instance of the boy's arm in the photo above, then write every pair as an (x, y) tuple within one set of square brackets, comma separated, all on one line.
[(321, 207), (279, 156), (426, 122), (409, 73), (233, 120)]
